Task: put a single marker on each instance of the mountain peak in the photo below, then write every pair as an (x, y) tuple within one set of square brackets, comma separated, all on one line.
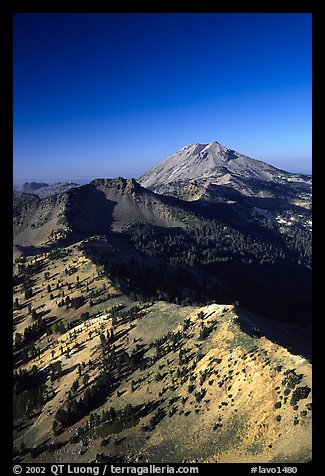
[(121, 185)]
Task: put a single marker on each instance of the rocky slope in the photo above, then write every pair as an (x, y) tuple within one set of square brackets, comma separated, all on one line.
[(224, 183), (207, 161), (203, 165), (93, 209)]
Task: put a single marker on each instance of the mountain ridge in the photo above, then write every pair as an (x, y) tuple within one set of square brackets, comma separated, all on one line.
[(93, 208)]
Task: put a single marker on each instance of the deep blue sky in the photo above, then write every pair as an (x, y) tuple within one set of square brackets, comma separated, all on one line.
[(100, 95)]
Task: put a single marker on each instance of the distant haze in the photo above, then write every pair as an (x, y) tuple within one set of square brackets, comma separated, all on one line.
[(51, 181)]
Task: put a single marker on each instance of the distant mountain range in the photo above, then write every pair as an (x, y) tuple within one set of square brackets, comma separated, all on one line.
[(197, 167), (43, 189)]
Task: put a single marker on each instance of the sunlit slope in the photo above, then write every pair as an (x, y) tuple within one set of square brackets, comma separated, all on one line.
[(186, 383)]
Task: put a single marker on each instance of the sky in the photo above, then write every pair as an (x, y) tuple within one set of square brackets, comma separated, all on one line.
[(106, 95)]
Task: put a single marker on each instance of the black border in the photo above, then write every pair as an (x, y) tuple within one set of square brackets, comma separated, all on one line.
[(97, 6), (7, 11)]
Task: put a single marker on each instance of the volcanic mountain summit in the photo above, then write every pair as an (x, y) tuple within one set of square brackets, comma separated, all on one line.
[(214, 164)]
